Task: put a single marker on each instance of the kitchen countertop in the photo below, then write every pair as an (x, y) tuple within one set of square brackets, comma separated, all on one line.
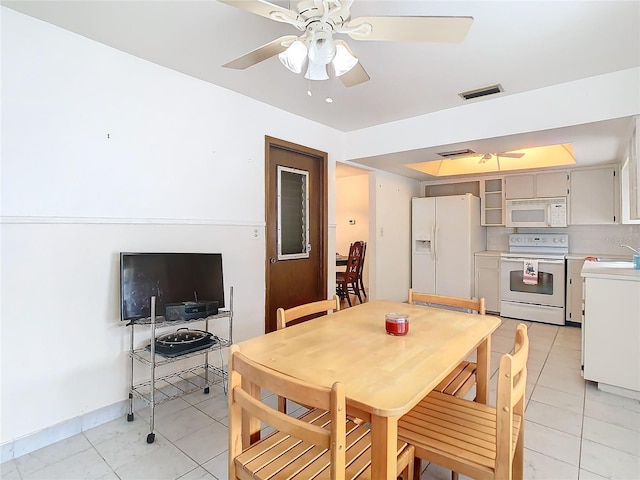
[(611, 270), (582, 256)]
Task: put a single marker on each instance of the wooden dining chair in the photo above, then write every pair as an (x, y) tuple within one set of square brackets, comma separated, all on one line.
[(321, 443), (471, 438), (460, 381), (284, 317), (349, 278), (360, 283)]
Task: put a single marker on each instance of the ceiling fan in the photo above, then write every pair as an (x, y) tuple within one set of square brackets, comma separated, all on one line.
[(320, 20), (485, 157)]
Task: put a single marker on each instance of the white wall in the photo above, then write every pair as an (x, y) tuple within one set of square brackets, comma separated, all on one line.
[(103, 152), (390, 235)]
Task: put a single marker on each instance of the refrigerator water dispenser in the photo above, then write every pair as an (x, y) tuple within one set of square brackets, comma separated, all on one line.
[(423, 246)]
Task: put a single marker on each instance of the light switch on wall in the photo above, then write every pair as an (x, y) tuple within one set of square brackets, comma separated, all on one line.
[(352, 222)]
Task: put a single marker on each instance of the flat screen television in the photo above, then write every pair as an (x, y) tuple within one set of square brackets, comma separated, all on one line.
[(171, 278)]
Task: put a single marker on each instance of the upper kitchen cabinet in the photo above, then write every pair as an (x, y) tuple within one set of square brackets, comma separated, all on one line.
[(593, 196), (536, 185), (492, 200), (552, 184), (630, 180), (519, 186)]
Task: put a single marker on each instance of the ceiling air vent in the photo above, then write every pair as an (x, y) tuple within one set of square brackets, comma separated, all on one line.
[(456, 153), (482, 92)]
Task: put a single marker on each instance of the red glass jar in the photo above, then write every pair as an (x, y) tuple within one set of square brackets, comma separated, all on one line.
[(396, 323)]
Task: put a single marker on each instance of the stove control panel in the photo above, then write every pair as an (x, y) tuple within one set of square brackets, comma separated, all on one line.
[(539, 242)]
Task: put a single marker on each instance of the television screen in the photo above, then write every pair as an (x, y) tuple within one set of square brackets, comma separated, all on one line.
[(171, 277)]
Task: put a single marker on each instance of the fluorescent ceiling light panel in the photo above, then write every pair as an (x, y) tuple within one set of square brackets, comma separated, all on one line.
[(537, 157)]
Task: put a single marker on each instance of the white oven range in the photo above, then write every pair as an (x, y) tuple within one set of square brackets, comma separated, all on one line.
[(532, 277)]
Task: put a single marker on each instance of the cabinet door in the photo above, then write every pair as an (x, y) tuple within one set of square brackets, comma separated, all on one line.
[(592, 196), (553, 184), (519, 186), (574, 291), (633, 190), (488, 281)]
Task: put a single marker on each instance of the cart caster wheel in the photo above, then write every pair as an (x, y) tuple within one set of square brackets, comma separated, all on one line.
[(206, 391), (129, 417), (151, 437)]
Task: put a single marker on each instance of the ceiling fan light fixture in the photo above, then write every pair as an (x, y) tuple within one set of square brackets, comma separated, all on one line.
[(293, 57), (316, 71), (343, 60), (322, 49)]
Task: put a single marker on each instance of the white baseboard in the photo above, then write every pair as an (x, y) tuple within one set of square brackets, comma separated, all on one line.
[(47, 436)]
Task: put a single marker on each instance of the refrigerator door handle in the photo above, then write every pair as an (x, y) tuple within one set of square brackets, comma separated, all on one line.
[(432, 252), (435, 242)]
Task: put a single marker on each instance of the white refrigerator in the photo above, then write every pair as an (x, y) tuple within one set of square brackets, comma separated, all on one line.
[(445, 234)]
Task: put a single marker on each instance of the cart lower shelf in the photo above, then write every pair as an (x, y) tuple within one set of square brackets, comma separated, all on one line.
[(180, 383)]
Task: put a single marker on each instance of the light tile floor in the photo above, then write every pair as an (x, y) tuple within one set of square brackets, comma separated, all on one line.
[(573, 431)]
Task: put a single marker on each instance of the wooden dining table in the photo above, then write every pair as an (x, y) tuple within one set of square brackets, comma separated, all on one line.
[(384, 376)]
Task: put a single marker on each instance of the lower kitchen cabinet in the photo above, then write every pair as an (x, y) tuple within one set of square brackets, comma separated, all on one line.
[(611, 330), (573, 307), (487, 271)]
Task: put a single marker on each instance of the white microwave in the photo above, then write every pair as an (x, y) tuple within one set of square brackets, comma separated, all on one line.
[(537, 212)]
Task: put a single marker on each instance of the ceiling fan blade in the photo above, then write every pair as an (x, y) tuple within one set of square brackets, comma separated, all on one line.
[(262, 8), (279, 45), (413, 29), (355, 76), (510, 155)]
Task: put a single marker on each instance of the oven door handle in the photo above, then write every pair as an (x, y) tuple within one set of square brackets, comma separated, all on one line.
[(540, 260)]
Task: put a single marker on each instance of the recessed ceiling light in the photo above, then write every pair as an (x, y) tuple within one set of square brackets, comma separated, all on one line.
[(328, 100)]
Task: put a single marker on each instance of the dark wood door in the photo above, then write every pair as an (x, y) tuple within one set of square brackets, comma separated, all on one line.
[(296, 226)]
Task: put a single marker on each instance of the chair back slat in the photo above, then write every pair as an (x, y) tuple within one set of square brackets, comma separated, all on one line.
[(457, 302), (364, 252), (281, 421), (284, 317)]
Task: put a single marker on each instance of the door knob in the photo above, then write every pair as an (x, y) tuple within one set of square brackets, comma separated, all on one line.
[(272, 260)]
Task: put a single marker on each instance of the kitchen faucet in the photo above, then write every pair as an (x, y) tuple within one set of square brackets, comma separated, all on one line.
[(631, 248)]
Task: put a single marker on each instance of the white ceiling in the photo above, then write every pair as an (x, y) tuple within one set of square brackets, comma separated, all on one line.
[(522, 45)]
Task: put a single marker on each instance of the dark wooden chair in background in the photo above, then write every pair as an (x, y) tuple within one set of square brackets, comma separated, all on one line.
[(360, 283), (349, 278)]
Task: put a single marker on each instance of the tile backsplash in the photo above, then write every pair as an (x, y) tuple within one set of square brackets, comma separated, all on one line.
[(583, 239)]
